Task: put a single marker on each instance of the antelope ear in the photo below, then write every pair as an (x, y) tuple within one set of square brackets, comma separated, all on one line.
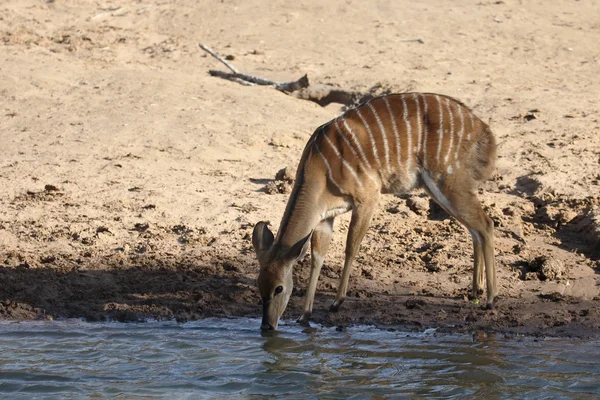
[(299, 249), (262, 237)]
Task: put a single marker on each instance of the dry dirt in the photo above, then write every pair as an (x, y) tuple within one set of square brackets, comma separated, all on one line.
[(131, 179)]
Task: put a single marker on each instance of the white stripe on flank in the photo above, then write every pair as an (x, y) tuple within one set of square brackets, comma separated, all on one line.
[(383, 136), (344, 162), (354, 153), (451, 130), (460, 133), (425, 132), (345, 139), (441, 129), (472, 126), (357, 143), (395, 127), (408, 135), (330, 175), (373, 144), (419, 123)]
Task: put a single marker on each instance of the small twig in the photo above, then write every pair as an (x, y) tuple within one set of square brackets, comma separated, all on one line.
[(419, 40), (215, 55)]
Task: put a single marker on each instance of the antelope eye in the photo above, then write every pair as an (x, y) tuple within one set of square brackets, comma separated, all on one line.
[(278, 290)]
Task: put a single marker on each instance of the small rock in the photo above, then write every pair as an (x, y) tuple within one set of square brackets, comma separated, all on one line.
[(287, 174), (554, 296), (102, 229), (51, 188), (275, 187), (531, 276), (227, 266), (141, 226), (367, 273), (414, 303), (393, 209), (418, 205), (552, 270), (547, 268)]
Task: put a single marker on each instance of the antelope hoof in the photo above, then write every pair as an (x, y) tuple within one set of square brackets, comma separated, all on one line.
[(304, 319), (335, 306), (475, 293), (490, 304)]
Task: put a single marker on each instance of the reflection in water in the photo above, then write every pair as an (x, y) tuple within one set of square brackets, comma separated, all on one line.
[(213, 358)]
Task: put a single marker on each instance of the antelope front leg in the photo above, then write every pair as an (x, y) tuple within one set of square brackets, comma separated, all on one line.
[(484, 239), (477, 265), (319, 244), (361, 218), (490, 268)]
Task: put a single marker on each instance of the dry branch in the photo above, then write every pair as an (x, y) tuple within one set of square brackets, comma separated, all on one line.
[(301, 89), (250, 80)]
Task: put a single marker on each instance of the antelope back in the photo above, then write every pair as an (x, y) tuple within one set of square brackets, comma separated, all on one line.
[(389, 141)]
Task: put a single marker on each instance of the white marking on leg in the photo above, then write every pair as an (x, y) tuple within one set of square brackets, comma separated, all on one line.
[(325, 228), (436, 193), (408, 135), (441, 128), (329, 173), (448, 105), (344, 162), (449, 170), (395, 128), (317, 258), (373, 144), (357, 144), (334, 212), (476, 236)]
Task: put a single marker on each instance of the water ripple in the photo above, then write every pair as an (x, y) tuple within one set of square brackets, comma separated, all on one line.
[(230, 357)]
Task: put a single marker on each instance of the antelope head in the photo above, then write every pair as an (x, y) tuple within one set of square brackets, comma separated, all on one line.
[(275, 279)]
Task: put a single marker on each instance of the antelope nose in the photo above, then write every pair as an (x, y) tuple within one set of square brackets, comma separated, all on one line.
[(266, 327)]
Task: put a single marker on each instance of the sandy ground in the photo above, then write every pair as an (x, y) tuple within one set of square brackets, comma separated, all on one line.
[(131, 179)]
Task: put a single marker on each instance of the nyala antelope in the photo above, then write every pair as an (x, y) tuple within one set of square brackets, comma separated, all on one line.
[(390, 144)]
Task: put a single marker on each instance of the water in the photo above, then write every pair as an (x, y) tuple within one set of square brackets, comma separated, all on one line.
[(230, 358)]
